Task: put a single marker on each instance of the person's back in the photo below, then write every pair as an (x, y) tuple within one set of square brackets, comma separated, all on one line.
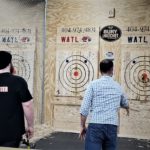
[(15, 102), (102, 99), (106, 101), (11, 111)]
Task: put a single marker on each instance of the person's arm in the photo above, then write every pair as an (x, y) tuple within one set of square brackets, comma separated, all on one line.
[(29, 115), (84, 110), (83, 127)]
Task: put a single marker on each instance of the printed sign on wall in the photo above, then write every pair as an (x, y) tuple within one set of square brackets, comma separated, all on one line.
[(110, 33), (136, 35), (79, 38)]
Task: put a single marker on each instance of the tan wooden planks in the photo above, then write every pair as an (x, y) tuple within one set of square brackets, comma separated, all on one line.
[(96, 13)]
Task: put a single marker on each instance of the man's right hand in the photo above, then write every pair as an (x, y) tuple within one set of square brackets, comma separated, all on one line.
[(29, 132), (82, 133)]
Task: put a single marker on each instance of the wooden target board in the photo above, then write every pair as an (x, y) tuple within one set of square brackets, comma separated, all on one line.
[(74, 71), (136, 74), (20, 42)]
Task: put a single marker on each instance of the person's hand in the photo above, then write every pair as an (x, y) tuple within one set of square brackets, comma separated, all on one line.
[(29, 132), (82, 133)]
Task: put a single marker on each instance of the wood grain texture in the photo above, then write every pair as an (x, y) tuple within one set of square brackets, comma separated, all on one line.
[(62, 13), (16, 14)]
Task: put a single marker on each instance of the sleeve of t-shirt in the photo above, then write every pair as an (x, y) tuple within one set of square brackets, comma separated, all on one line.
[(24, 93)]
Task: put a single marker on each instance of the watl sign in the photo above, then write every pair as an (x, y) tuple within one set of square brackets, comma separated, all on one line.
[(110, 33)]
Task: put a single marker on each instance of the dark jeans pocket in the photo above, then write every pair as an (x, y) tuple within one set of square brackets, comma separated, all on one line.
[(94, 133)]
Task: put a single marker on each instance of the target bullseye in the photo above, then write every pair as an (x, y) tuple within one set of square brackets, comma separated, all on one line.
[(145, 77), (76, 73)]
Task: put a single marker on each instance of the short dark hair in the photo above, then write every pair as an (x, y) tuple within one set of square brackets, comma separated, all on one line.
[(5, 59), (106, 65)]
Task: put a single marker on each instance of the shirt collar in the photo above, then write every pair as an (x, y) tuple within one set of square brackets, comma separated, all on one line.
[(4, 73), (106, 76)]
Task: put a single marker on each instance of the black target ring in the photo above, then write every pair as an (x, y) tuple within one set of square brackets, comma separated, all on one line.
[(22, 66), (82, 78), (85, 73), (79, 84), (132, 74)]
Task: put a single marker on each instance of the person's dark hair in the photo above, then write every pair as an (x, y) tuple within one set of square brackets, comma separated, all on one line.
[(106, 65), (5, 59)]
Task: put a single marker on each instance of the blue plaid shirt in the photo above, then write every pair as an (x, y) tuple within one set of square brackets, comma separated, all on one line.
[(102, 99)]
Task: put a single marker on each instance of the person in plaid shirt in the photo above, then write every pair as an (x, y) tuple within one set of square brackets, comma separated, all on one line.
[(102, 101)]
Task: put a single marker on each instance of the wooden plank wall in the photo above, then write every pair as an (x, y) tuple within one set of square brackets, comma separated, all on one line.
[(63, 113), (30, 15)]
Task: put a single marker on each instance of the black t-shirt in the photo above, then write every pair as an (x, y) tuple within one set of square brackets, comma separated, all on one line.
[(13, 92)]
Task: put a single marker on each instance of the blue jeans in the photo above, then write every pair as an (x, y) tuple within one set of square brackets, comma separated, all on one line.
[(101, 137)]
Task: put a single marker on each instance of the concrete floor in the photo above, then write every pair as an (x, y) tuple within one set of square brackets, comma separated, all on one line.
[(70, 141)]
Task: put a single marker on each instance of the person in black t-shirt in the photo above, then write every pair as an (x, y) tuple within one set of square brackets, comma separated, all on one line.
[(15, 103)]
